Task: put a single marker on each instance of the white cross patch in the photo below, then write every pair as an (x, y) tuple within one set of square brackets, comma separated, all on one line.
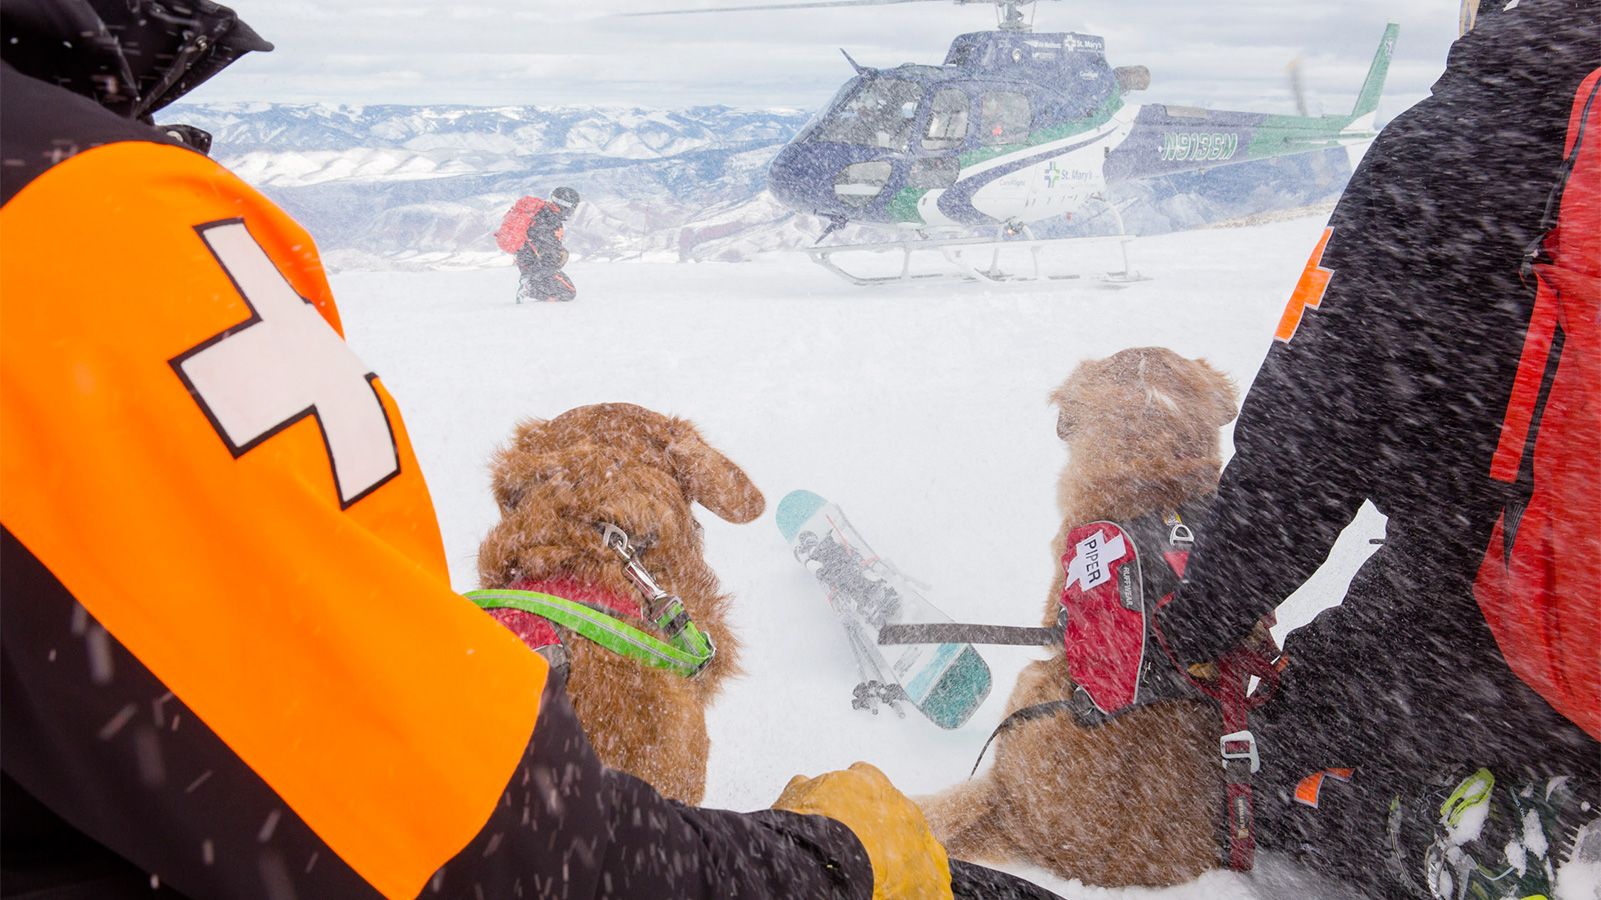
[(1093, 558), (285, 363)]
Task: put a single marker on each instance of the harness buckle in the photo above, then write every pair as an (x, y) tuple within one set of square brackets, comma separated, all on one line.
[(1247, 751), (711, 653)]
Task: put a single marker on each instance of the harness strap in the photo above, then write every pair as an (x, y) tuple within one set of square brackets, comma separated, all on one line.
[(963, 633), (686, 652), (1237, 746), (1037, 711), (583, 593)]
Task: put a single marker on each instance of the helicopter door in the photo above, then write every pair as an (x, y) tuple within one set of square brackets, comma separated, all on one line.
[(1004, 118), (933, 172), (947, 120)]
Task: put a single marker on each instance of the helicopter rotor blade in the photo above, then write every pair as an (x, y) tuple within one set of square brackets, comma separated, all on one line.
[(1297, 87)]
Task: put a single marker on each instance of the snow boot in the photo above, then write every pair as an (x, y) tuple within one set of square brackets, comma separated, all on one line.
[(1472, 836)]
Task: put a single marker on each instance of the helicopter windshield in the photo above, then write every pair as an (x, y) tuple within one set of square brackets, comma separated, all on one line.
[(874, 112)]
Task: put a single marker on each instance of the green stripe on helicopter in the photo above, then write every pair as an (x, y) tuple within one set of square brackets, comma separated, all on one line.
[(903, 206), (1094, 120)]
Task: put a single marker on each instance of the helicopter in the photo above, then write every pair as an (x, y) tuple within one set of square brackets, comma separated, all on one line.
[(1013, 128)]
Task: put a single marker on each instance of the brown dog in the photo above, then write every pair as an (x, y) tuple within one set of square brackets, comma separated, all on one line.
[(1134, 801), (556, 482)]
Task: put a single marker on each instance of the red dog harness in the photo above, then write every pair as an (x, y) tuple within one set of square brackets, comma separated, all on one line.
[(534, 609), (1108, 601), (1119, 660), (537, 631)]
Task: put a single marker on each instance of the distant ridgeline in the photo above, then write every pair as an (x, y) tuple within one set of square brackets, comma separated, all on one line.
[(425, 186)]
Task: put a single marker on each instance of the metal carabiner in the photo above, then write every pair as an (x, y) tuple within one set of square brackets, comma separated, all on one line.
[(618, 540)]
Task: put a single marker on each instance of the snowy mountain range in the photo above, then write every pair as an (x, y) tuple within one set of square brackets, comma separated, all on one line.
[(423, 187)]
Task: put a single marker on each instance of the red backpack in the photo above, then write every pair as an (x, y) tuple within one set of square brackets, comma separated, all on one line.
[(513, 231), (1538, 583)]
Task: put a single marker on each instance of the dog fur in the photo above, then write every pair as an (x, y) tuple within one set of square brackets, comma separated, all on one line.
[(641, 470), (1135, 801)]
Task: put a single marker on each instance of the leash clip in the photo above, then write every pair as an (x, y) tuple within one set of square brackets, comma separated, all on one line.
[(615, 538), (656, 599)]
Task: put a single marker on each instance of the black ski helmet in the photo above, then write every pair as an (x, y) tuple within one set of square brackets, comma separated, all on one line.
[(565, 198)]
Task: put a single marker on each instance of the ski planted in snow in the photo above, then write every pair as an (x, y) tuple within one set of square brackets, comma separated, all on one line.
[(945, 682)]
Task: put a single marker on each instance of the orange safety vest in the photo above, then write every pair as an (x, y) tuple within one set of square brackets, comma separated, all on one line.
[(193, 450)]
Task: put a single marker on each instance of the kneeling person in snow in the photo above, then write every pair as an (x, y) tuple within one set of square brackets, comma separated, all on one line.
[(541, 256)]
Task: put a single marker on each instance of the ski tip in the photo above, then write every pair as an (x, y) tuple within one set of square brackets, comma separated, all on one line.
[(795, 509)]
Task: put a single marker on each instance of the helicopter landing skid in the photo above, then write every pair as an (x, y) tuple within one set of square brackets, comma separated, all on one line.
[(974, 259)]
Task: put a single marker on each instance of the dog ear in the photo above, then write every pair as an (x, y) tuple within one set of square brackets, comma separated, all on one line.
[(706, 476), (1066, 415), (711, 479), (517, 465)]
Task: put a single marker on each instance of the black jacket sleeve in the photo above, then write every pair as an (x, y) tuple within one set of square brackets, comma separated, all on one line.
[(569, 827), (1309, 426), (1391, 388)]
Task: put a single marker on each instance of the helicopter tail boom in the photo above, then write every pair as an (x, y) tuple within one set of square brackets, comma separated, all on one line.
[(1186, 139)]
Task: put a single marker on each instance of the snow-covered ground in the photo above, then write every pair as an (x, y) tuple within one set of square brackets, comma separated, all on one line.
[(920, 410)]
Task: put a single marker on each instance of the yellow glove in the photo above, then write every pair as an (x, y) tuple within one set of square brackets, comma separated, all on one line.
[(908, 863)]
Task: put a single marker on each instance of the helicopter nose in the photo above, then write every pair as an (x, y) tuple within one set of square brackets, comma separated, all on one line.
[(800, 177), (827, 179)]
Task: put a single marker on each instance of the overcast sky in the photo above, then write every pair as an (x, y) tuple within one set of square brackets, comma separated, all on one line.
[(549, 53)]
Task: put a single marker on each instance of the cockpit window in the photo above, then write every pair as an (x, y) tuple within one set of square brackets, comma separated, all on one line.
[(1004, 117), (947, 120), (879, 113)]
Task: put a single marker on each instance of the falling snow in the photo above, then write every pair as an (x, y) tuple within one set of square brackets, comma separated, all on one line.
[(922, 411)]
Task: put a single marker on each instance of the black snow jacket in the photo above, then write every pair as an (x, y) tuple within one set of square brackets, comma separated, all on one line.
[(1391, 370)]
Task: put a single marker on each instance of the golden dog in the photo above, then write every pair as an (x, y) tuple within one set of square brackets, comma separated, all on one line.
[(1136, 800), (557, 482)]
